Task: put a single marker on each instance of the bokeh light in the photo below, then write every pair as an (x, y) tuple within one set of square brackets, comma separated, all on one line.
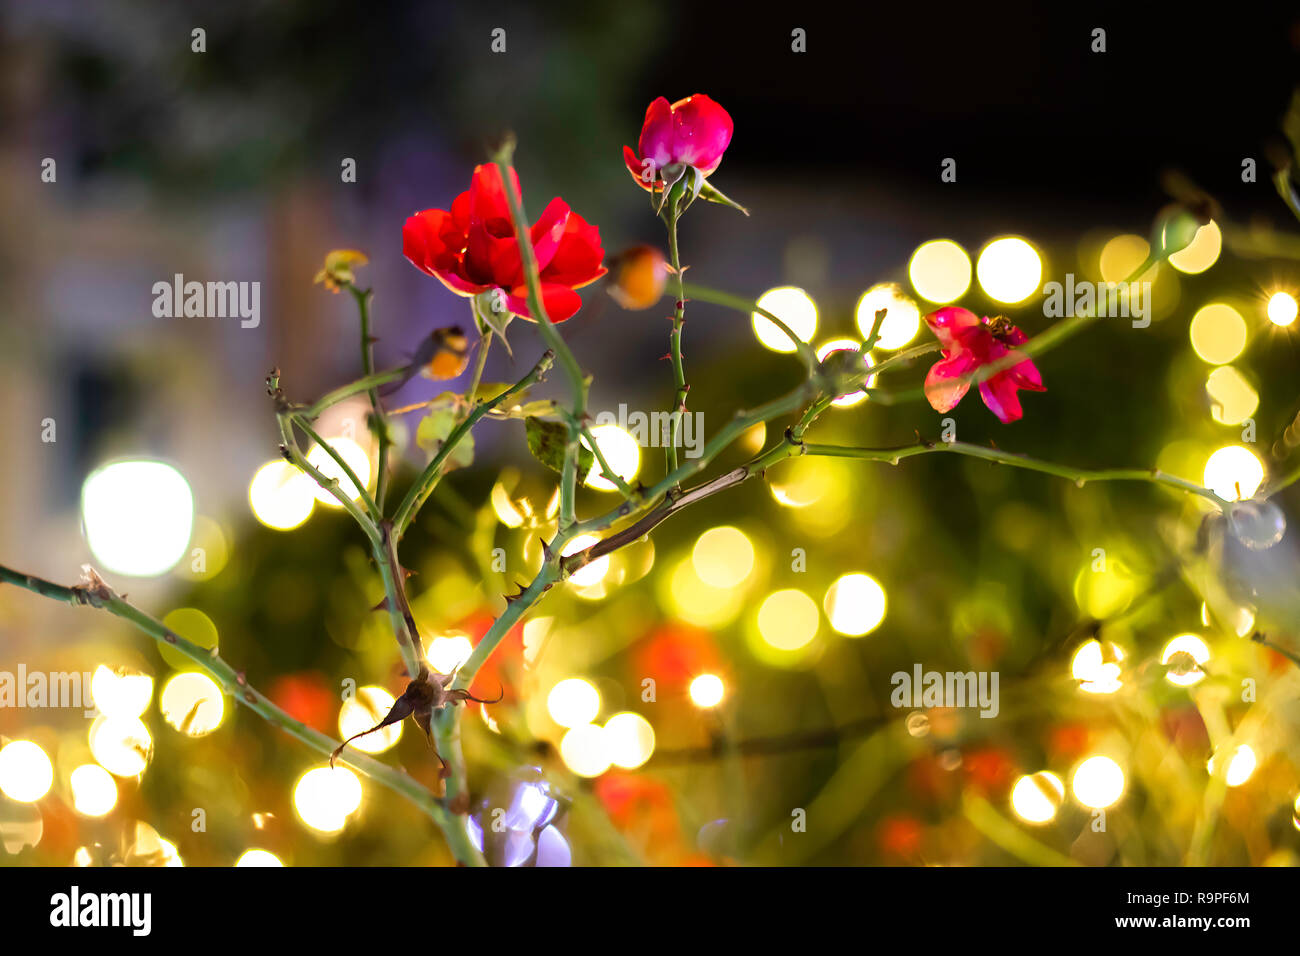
[(572, 702), (446, 652), (707, 690), (695, 601), (1009, 269), (192, 703), (1121, 256), (723, 557), (1241, 765), (902, 318), (1098, 782), (324, 798), (1037, 797), (788, 619), (281, 496), (589, 574), (209, 551), (121, 745), (855, 604), (322, 461), (94, 791), (629, 740), (1232, 398), (1097, 667), (939, 271), (1218, 333), (1233, 473), (193, 625), (791, 305), (1203, 251), (25, 771), (621, 451), (149, 848), (585, 750), (137, 516), (359, 713), (507, 511), (1282, 308), (120, 693), (1183, 656), (1105, 592), (256, 857)]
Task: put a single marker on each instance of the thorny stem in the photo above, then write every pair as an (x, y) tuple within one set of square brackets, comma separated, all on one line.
[(568, 364), (627, 490), (389, 572), (701, 293), (365, 384), (97, 594), (792, 447), (480, 360), (424, 485), (372, 506), (294, 453), (380, 428), (1080, 476), (662, 500), (675, 336), (1040, 343), (1286, 481)]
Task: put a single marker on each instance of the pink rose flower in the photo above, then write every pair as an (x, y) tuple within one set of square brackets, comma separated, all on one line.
[(970, 343), (694, 132)]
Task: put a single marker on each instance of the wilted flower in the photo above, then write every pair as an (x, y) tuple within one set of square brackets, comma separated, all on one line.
[(691, 132), (338, 268), (472, 248), (639, 277), (970, 343)]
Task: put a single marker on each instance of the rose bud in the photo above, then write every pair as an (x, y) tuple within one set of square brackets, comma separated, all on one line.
[(638, 278), (694, 131)]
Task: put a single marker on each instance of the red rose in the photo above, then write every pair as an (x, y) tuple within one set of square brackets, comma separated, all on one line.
[(472, 249)]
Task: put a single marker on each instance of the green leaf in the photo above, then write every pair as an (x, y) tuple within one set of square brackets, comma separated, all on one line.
[(547, 441), (433, 432), (713, 194)]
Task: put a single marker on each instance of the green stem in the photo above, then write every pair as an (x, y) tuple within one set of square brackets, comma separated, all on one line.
[(295, 455), (627, 490), (1040, 343), (424, 485), (906, 355), (480, 361), (1080, 476), (1286, 481), (568, 363), (675, 336), (516, 608), (376, 406), (385, 557), (702, 293), (1009, 836), (363, 384), (371, 506), (233, 683)]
